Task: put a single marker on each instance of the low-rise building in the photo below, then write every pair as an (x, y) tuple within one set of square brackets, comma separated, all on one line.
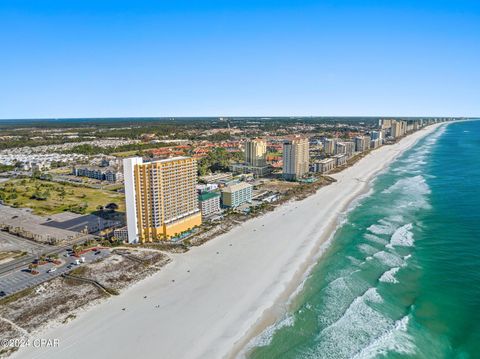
[(109, 174), (216, 177), (121, 234), (209, 203), (324, 166), (209, 187), (340, 159), (244, 168), (40, 166), (237, 194)]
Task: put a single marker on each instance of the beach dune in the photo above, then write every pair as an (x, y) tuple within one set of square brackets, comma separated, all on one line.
[(208, 302)]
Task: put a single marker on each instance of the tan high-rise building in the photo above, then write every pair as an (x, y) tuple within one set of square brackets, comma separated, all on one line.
[(296, 157), (161, 199), (256, 152), (399, 128)]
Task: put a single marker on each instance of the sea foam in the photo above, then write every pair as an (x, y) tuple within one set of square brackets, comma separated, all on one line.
[(395, 339), (353, 330), (265, 338), (388, 259), (403, 236), (389, 275)]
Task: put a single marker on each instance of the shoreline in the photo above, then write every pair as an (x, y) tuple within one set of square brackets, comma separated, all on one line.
[(286, 301), (229, 275), (295, 287)]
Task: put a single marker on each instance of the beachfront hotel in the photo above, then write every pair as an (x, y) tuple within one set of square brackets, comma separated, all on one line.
[(237, 194), (161, 198), (209, 203), (325, 165), (295, 158), (340, 160)]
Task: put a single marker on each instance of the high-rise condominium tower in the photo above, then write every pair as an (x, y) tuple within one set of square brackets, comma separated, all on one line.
[(295, 158), (255, 152), (161, 198)]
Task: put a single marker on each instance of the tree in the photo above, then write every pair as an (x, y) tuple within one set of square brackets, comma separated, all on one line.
[(39, 196), (78, 208), (112, 207), (218, 159)]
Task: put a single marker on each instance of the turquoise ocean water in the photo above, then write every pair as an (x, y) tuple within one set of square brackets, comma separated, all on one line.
[(401, 278)]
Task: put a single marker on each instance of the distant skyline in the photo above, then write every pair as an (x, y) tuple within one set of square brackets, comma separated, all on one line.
[(107, 58)]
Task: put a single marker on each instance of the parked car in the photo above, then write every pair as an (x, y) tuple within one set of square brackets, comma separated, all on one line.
[(51, 270)]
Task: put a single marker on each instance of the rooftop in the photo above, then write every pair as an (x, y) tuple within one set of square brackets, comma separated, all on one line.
[(96, 168), (237, 187), (207, 195), (171, 159)]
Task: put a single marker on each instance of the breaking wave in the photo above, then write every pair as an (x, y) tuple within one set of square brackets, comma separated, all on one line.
[(403, 236), (265, 338), (388, 259), (395, 339), (389, 275), (352, 314)]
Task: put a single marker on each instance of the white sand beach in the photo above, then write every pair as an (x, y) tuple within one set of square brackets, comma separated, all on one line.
[(209, 301)]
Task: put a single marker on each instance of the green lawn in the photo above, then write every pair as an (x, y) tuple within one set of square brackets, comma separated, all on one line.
[(125, 154), (46, 197)]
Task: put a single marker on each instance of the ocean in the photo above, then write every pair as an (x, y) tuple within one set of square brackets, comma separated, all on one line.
[(401, 277)]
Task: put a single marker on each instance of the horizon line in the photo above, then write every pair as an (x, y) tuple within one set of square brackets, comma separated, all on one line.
[(230, 116)]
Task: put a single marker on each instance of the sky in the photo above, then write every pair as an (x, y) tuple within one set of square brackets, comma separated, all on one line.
[(117, 58)]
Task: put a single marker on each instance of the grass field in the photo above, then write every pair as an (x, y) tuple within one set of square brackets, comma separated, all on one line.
[(61, 171), (47, 198), (125, 154)]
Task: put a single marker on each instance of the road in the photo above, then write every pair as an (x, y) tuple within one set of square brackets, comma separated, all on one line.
[(38, 251), (21, 278), (19, 243)]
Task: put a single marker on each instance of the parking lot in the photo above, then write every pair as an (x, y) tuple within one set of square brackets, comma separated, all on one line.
[(22, 278), (10, 242)]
